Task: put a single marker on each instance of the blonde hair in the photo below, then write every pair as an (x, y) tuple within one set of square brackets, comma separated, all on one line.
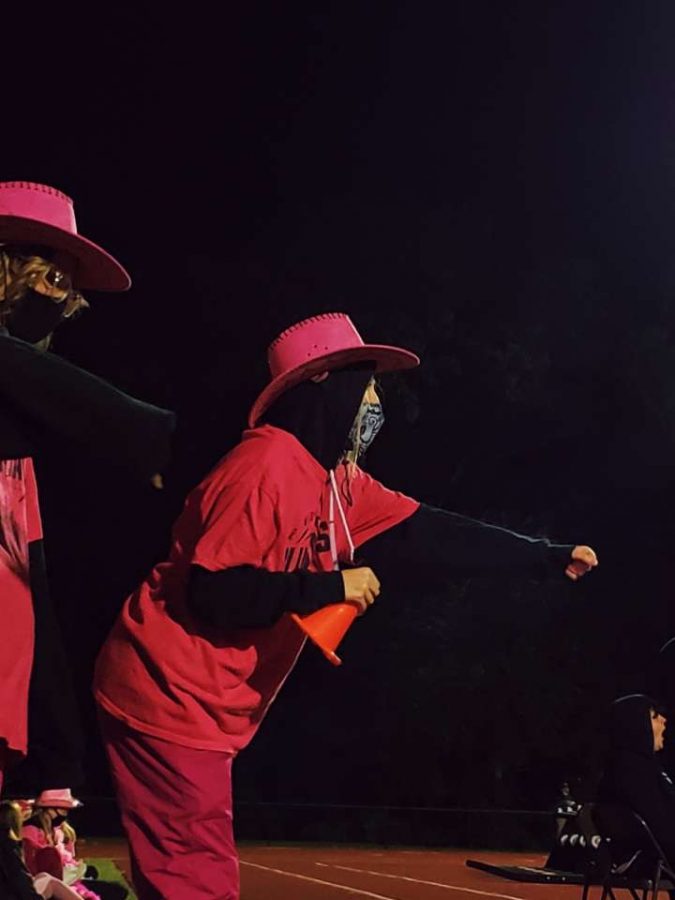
[(46, 824), (68, 832), (21, 271), (10, 820)]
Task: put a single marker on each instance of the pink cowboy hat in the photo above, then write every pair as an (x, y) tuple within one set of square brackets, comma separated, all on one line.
[(57, 799), (317, 345), (38, 214)]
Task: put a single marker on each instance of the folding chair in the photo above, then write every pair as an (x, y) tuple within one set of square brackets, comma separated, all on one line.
[(629, 856)]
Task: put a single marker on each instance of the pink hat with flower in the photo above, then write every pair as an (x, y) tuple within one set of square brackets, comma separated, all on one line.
[(321, 344), (60, 798), (38, 214)]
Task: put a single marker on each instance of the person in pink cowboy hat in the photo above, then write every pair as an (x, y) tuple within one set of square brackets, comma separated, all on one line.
[(49, 843), (201, 649), (49, 839), (16, 882), (45, 265)]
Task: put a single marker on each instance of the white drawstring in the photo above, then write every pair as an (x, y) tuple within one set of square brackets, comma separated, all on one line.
[(335, 497)]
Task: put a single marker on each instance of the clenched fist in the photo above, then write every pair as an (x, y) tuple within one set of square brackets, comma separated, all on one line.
[(582, 560), (361, 587)]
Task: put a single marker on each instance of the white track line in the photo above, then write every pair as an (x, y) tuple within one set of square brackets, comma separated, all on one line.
[(340, 887), (449, 887)]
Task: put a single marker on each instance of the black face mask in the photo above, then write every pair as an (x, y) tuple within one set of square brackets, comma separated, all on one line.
[(34, 317), (58, 820)]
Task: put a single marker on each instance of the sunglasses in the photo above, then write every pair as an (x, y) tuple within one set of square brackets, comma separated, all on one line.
[(48, 279)]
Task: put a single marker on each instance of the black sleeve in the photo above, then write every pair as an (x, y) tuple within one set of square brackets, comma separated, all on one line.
[(14, 873), (246, 597), (55, 738), (72, 403), (447, 543)]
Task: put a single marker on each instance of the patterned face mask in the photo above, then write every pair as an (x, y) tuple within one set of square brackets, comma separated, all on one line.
[(368, 422)]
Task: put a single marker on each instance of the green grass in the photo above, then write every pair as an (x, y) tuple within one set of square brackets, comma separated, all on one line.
[(108, 871)]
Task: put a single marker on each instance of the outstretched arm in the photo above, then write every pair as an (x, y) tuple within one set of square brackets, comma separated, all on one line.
[(69, 402), (446, 543)]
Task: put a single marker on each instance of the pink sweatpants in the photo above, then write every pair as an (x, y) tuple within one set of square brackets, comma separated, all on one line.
[(176, 806)]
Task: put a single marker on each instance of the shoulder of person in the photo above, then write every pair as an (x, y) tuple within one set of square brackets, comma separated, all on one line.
[(264, 458), (361, 482), (34, 834)]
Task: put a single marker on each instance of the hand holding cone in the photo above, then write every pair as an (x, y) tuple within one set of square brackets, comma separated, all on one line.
[(327, 626)]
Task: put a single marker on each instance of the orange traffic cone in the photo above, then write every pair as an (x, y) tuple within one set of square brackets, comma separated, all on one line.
[(327, 626)]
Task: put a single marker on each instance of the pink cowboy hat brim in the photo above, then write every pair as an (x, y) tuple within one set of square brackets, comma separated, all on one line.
[(386, 359), (96, 270), (58, 804)]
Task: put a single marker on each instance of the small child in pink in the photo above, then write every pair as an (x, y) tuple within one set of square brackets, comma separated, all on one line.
[(15, 879), (49, 841)]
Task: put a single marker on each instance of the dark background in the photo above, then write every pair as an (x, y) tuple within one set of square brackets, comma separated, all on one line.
[(487, 183)]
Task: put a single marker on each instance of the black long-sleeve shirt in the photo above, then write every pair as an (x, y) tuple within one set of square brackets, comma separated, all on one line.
[(40, 393), (438, 542)]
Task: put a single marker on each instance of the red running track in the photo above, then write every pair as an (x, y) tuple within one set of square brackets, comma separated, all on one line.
[(325, 872)]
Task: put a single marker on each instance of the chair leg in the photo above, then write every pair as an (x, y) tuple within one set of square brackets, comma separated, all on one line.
[(657, 880), (588, 884)]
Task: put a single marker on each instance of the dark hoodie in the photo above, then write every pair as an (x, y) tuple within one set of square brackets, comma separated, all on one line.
[(662, 687), (320, 416), (633, 774), (15, 880)]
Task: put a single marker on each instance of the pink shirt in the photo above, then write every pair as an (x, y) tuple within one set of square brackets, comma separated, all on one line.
[(264, 505), (19, 525)]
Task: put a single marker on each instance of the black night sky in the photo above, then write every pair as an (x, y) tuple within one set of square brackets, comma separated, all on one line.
[(487, 183)]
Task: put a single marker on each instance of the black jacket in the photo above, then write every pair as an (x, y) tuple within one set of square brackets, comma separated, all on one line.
[(15, 881), (633, 774)]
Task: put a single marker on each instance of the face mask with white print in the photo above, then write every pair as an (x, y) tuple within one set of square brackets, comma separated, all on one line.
[(367, 424)]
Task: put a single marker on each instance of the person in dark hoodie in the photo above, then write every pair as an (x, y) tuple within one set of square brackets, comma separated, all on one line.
[(662, 688), (201, 649), (44, 266), (633, 775)]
